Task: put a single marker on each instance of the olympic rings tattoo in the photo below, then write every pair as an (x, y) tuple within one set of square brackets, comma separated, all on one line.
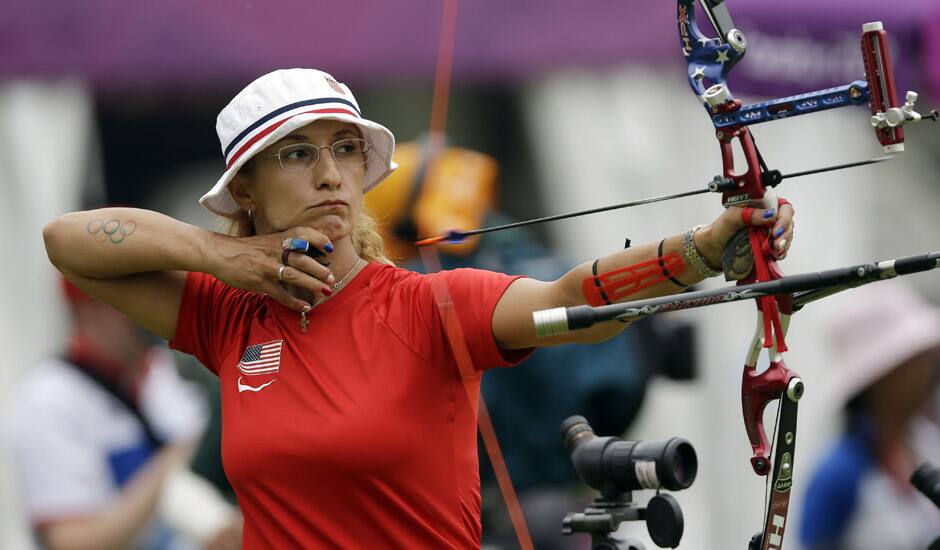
[(111, 230)]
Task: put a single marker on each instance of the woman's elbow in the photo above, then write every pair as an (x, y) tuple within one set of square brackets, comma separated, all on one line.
[(52, 237), (606, 331), (58, 236)]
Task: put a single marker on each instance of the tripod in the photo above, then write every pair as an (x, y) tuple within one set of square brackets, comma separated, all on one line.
[(926, 479), (603, 517)]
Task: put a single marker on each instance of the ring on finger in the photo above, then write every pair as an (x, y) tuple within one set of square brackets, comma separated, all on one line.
[(280, 272), (285, 256), (295, 244)]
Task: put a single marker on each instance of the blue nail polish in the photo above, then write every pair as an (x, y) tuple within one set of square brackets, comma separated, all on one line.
[(778, 232), (328, 247), (769, 214)]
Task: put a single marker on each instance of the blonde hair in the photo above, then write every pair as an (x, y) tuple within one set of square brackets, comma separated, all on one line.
[(366, 239)]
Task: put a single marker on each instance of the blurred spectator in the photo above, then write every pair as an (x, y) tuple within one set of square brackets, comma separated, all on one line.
[(197, 498), (888, 350), (95, 432), (456, 189)]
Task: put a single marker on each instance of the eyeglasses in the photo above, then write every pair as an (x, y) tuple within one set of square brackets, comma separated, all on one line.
[(301, 157)]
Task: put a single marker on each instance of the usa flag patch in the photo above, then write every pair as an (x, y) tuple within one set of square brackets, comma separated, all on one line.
[(261, 358)]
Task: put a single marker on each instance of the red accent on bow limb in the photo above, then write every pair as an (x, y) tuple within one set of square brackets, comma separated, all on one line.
[(625, 281), (765, 269)]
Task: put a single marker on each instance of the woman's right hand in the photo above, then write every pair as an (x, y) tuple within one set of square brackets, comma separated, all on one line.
[(253, 263)]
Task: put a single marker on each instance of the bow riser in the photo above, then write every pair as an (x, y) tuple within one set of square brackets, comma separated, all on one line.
[(758, 391), (749, 187)]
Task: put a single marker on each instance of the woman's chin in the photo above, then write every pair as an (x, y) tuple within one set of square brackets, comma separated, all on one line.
[(334, 227)]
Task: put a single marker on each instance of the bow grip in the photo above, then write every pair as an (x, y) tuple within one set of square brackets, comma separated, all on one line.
[(737, 259)]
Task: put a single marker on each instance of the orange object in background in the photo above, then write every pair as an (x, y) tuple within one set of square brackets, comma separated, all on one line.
[(425, 197)]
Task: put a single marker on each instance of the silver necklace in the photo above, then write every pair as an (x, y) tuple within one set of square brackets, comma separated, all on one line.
[(303, 314)]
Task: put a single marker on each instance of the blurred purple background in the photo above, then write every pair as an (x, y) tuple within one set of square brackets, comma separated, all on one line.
[(173, 43)]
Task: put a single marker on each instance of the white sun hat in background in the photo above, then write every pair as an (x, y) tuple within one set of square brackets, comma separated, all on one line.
[(884, 325)]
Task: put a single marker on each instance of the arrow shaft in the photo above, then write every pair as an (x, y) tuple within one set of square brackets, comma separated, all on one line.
[(649, 200), (583, 212), (836, 167)]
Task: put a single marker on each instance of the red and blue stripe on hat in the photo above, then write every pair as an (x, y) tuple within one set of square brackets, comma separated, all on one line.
[(271, 121)]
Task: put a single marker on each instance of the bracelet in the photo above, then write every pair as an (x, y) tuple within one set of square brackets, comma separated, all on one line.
[(694, 256)]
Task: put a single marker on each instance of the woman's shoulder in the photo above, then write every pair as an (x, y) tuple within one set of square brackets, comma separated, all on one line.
[(386, 279), (396, 287), (381, 272), (385, 274)]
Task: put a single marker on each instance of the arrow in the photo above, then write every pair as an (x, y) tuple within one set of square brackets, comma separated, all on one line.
[(719, 184)]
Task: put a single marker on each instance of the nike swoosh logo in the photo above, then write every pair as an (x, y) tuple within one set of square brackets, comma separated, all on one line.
[(246, 387)]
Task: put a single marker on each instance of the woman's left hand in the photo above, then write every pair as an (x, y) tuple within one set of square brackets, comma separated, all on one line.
[(712, 240)]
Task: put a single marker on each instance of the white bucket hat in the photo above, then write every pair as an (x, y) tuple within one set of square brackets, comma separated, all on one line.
[(278, 103), (882, 327)]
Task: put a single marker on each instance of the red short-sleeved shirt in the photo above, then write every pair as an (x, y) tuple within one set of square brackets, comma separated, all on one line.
[(359, 433)]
